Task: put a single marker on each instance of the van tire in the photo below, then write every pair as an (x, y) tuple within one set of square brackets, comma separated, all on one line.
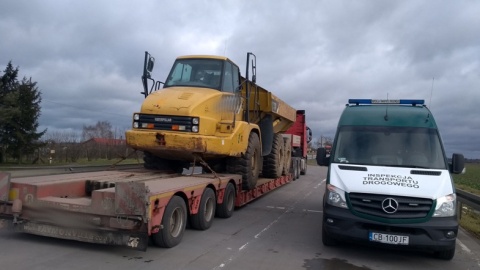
[(445, 254), (327, 240)]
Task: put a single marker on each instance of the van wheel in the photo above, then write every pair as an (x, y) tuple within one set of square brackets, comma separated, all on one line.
[(206, 211), (174, 222), (249, 164), (327, 240), (445, 254), (225, 209)]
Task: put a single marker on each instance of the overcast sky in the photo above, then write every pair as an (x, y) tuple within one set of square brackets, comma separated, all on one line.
[(87, 56)]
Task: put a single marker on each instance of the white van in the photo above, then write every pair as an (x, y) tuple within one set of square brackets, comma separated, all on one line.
[(388, 179)]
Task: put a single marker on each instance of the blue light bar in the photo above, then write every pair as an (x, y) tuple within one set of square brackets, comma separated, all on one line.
[(387, 101)]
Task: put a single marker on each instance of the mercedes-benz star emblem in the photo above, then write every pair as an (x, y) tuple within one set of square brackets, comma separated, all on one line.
[(390, 205)]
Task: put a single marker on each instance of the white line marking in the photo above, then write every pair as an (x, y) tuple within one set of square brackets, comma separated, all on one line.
[(286, 210), (465, 248)]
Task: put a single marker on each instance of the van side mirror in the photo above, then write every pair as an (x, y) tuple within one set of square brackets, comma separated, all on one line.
[(458, 163), (322, 159)]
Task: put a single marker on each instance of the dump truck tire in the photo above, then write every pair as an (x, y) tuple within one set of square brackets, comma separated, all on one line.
[(274, 162), (174, 222), (226, 208), (249, 164), (206, 211), (287, 159)]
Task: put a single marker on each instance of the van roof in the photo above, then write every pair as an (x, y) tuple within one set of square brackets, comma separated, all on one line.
[(387, 115)]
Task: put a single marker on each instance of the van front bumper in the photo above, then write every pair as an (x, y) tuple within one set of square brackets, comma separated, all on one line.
[(341, 224)]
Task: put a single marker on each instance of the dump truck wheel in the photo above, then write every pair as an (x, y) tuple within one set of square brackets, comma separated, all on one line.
[(248, 165), (275, 161), (206, 211), (225, 209), (287, 159), (173, 224)]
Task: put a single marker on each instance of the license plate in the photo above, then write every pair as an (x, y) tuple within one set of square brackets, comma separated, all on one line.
[(391, 239)]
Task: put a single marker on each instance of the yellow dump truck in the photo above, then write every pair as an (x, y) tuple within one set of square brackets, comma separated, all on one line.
[(208, 114)]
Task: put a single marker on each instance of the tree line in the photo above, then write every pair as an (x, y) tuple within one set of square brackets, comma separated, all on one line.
[(21, 141)]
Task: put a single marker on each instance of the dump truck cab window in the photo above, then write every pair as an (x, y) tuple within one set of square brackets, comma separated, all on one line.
[(206, 73), (230, 77)]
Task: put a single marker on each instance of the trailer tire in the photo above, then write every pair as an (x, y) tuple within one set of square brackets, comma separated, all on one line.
[(287, 159), (174, 222), (226, 208), (248, 165), (445, 254), (294, 169), (206, 211), (304, 171), (274, 162), (299, 167)]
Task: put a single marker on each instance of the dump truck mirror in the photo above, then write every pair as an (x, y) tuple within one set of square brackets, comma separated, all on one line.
[(150, 64), (458, 163), (322, 159)]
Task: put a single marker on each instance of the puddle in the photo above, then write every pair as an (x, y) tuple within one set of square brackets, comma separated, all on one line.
[(333, 264)]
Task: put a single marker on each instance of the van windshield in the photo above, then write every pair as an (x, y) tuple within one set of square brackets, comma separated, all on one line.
[(389, 146)]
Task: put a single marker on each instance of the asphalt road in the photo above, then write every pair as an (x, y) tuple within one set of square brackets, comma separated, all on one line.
[(281, 230)]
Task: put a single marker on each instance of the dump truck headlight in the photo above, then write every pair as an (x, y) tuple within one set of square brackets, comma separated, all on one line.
[(135, 124), (136, 116), (195, 120), (446, 206), (195, 129)]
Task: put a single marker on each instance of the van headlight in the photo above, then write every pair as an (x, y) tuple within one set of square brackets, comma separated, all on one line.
[(446, 206), (336, 197)]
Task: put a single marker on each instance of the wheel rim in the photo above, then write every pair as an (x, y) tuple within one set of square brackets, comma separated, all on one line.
[(230, 202), (176, 222), (209, 206)]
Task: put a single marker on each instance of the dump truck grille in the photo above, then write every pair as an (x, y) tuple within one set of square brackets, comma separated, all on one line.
[(385, 206), (166, 122)]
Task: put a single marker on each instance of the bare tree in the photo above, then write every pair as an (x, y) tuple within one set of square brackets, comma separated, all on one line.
[(103, 129)]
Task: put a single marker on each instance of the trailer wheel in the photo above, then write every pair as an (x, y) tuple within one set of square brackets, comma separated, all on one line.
[(304, 171), (206, 211), (248, 165), (295, 169), (445, 254), (173, 224), (299, 167), (274, 162), (225, 209)]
